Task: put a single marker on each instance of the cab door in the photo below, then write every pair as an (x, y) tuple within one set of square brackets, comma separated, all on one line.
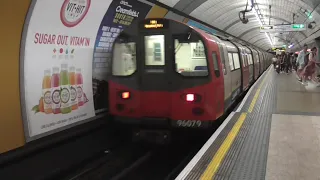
[(155, 68)]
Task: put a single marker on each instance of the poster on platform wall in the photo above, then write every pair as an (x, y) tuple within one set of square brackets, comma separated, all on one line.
[(120, 15), (57, 63)]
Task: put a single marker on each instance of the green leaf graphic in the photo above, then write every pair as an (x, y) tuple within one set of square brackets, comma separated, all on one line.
[(35, 108)]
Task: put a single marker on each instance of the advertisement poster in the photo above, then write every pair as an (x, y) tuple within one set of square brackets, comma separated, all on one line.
[(57, 72), (120, 15)]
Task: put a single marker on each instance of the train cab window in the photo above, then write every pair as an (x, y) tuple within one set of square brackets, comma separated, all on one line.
[(231, 61), (236, 60), (124, 56), (154, 50), (215, 64), (190, 56)]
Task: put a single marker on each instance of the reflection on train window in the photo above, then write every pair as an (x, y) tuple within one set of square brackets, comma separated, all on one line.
[(231, 61), (236, 60), (215, 64), (124, 57), (154, 50), (190, 57), (244, 60), (250, 59)]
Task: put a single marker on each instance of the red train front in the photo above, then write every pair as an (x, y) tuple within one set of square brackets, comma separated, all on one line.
[(165, 73)]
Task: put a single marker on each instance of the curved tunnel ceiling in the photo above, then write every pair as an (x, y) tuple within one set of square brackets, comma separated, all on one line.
[(223, 14)]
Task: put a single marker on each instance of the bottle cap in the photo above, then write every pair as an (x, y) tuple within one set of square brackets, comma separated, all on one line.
[(78, 70), (55, 69), (72, 68), (64, 66), (47, 71)]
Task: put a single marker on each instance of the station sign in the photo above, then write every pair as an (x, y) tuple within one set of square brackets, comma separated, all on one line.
[(282, 28), (278, 49)]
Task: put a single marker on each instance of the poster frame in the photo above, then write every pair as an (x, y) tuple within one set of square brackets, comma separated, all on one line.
[(24, 116)]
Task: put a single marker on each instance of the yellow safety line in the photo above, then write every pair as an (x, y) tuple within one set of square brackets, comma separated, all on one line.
[(256, 96), (216, 161), (222, 151)]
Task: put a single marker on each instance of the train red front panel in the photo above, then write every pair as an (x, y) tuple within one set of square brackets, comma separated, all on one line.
[(172, 105)]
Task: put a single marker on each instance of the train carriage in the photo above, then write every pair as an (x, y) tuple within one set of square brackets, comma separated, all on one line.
[(167, 73)]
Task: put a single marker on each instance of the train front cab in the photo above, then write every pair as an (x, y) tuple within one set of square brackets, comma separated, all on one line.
[(165, 73)]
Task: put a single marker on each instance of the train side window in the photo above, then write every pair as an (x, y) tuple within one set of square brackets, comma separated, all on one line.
[(215, 64), (154, 50), (190, 56), (124, 56), (223, 61), (236, 60), (249, 59), (231, 61)]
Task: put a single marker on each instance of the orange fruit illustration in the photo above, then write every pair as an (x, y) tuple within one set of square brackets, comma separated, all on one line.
[(41, 105)]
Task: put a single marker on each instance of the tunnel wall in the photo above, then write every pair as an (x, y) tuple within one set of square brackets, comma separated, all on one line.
[(47, 37), (12, 15)]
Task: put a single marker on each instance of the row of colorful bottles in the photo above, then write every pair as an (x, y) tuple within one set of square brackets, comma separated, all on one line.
[(62, 92)]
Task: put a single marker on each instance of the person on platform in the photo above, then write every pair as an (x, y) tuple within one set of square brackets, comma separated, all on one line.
[(310, 69), (301, 61)]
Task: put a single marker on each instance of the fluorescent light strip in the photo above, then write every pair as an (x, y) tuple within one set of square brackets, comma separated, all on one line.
[(257, 16), (269, 38)]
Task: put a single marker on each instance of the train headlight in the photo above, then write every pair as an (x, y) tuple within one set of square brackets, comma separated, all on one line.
[(190, 97), (125, 94)]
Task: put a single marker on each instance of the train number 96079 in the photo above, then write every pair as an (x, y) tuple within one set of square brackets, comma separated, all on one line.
[(189, 123)]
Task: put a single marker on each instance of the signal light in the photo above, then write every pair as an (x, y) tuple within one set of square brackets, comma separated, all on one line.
[(125, 95), (190, 97)]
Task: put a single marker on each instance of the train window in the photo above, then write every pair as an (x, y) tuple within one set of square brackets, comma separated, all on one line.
[(154, 50), (236, 60), (223, 61), (124, 56), (231, 61), (190, 57), (215, 64), (249, 59)]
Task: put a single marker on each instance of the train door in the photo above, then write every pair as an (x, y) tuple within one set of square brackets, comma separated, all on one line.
[(245, 70), (155, 71), (260, 62), (250, 64), (226, 74)]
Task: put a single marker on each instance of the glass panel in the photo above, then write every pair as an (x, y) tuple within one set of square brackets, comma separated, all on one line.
[(231, 61), (154, 50), (190, 56), (124, 56), (223, 61), (236, 60), (215, 64)]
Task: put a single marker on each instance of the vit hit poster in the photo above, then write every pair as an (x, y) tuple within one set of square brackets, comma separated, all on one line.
[(58, 63)]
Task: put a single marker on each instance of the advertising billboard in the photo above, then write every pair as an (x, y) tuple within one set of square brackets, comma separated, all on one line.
[(65, 57)]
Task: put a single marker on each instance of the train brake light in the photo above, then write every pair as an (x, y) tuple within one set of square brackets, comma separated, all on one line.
[(190, 97), (125, 95)]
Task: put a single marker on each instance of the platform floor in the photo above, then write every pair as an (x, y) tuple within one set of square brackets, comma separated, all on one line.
[(274, 134)]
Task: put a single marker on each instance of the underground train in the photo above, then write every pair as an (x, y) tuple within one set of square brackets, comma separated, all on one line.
[(166, 73)]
